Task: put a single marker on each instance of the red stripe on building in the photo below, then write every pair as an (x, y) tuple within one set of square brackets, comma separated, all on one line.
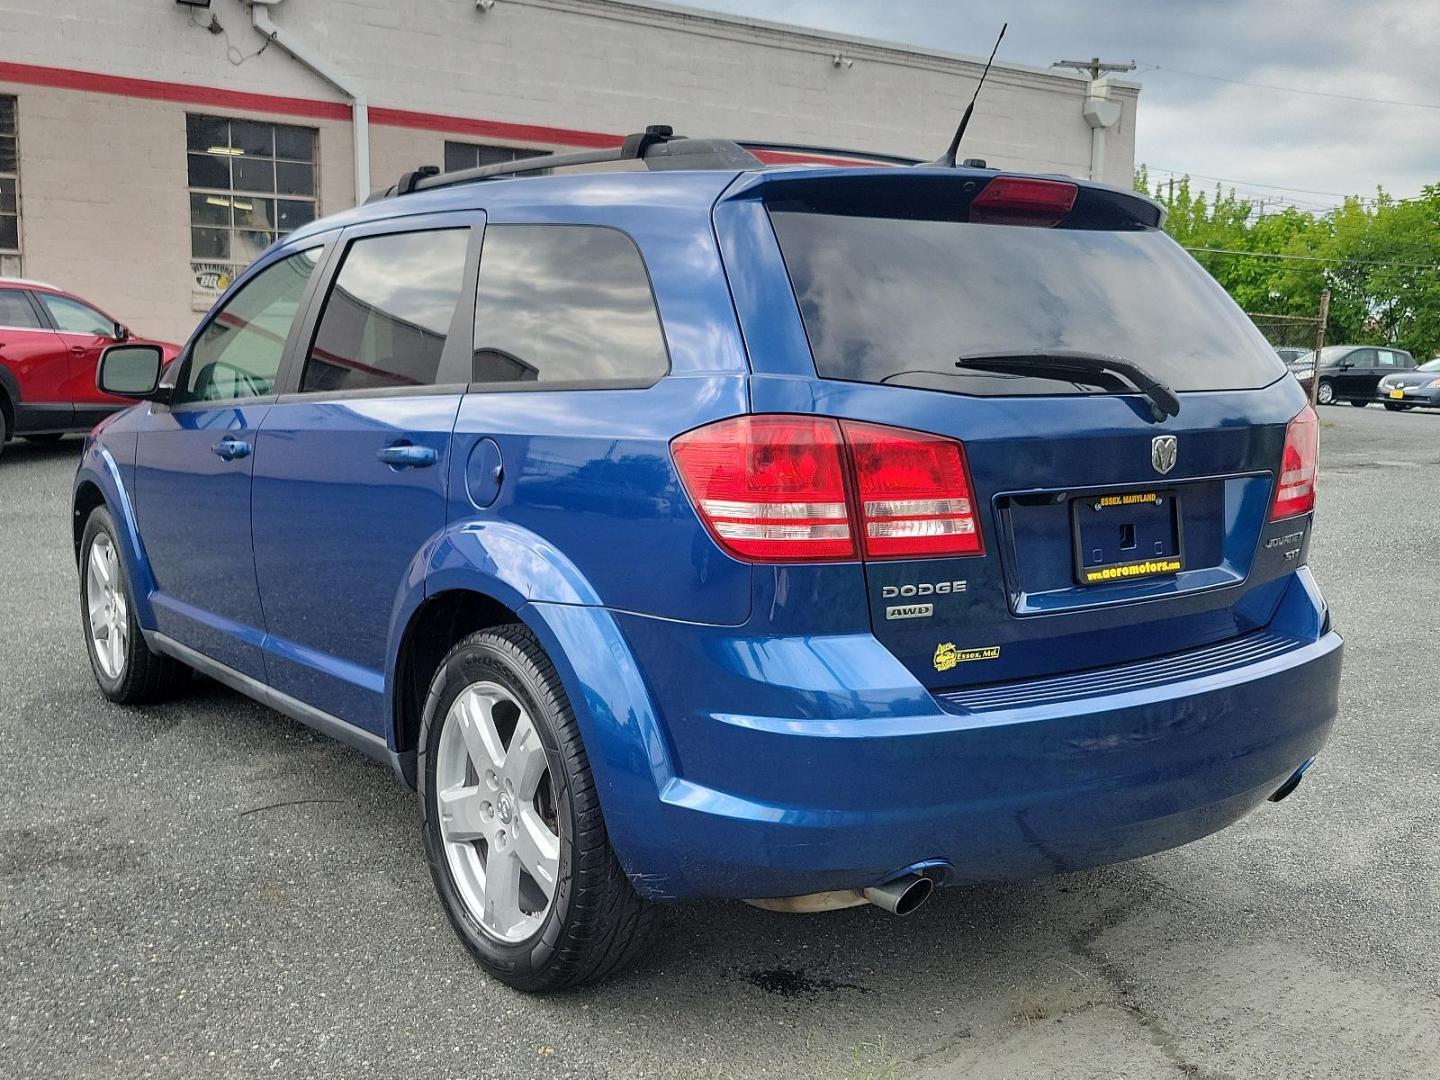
[(215, 97), (492, 129), (184, 93)]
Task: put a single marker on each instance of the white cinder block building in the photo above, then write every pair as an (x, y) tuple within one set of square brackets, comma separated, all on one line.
[(151, 148)]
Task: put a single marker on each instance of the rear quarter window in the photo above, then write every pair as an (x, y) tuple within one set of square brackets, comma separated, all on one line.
[(565, 304), (898, 300)]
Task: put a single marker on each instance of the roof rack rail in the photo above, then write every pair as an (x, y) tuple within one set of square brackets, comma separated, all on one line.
[(860, 156), (658, 146)]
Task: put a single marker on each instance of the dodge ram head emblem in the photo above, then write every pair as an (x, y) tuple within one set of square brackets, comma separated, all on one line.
[(1163, 450)]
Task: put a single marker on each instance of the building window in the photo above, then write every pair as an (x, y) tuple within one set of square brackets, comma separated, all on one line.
[(9, 188), (251, 183), (459, 155)]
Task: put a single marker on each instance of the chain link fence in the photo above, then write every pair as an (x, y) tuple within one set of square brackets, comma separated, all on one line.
[(1297, 338)]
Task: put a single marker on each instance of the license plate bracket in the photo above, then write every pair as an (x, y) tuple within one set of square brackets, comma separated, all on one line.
[(1126, 536)]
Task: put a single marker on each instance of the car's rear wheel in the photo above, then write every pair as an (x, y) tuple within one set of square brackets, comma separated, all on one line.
[(1325, 394), (125, 668), (513, 829), (1359, 404)]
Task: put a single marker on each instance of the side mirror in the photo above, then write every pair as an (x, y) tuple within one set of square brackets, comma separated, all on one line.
[(130, 370), (122, 332)]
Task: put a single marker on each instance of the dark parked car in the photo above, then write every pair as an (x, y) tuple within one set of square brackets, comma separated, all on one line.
[(50, 344), (1418, 389), (1299, 362), (1353, 372), (807, 536)]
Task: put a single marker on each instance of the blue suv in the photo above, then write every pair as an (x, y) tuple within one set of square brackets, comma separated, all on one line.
[(811, 536)]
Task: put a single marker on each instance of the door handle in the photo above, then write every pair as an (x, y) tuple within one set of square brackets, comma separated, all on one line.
[(407, 456), (230, 448), (79, 350)]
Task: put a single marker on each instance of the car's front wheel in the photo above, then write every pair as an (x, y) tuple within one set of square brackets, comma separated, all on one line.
[(125, 668), (1394, 406), (513, 830), (1325, 395), (1359, 404)]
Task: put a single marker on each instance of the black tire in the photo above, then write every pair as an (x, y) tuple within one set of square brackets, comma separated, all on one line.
[(4, 424), (1326, 393), (144, 676), (1395, 407), (597, 924), (48, 437), (1359, 404)]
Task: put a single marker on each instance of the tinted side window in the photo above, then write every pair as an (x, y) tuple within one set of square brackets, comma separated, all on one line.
[(239, 351), (73, 317), (565, 303), (388, 312), (15, 310)]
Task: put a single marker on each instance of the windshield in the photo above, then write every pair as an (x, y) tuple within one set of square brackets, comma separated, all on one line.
[(1430, 365), (898, 300)]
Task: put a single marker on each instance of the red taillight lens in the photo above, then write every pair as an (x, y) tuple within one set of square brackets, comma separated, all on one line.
[(1295, 487), (914, 493), (770, 488), (1023, 200), (777, 489)]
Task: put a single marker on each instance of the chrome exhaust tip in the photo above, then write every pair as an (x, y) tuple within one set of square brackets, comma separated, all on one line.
[(901, 896), (1288, 788)]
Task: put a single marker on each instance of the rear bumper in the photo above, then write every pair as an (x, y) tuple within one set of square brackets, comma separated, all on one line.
[(770, 806)]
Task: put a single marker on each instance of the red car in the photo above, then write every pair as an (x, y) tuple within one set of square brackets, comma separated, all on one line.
[(50, 343)]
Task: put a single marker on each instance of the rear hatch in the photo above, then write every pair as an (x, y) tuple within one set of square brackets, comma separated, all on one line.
[(1111, 532)]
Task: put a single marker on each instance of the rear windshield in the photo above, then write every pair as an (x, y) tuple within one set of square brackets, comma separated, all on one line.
[(898, 300)]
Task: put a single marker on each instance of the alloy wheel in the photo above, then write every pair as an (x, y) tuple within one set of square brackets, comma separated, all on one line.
[(1326, 394), (106, 607), (496, 804)]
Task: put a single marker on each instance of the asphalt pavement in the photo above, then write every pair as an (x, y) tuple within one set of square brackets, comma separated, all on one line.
[(206, 889)]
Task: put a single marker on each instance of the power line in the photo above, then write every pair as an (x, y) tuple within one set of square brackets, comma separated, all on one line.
[(1255, 184), (1246, 183), (1313, 258), (1294, 89)]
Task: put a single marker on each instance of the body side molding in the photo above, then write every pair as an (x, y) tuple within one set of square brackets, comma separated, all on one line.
[(332, 726)]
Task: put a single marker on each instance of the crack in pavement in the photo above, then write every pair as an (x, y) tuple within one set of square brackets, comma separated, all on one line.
[(1082, 944)]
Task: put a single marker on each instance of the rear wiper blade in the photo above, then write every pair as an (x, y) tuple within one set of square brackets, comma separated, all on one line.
[(1063, 363)]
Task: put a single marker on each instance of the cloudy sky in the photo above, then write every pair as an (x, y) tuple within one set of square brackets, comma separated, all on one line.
[(1211, 127)]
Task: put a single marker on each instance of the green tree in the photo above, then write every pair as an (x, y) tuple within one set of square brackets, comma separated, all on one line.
[(1379, 257)]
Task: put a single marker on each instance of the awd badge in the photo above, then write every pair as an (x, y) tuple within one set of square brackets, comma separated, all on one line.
[(947, 655)]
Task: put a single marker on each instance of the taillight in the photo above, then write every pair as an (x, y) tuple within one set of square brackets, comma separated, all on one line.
[(1023, 200), (914, 493), (787, 488), (1295, 487), (770, 488)]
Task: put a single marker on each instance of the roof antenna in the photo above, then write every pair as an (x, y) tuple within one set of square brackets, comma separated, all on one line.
[(947, 160)]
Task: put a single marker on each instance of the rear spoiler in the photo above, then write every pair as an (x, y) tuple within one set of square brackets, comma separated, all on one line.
[(939, 192)]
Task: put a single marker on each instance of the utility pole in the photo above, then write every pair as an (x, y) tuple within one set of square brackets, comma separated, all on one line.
[(1323, 317), (1100, 112), (1095, 67)]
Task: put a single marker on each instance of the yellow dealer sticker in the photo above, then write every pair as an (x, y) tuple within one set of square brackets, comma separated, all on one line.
[(1128, 500), (947, 655), (1143, 568)]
